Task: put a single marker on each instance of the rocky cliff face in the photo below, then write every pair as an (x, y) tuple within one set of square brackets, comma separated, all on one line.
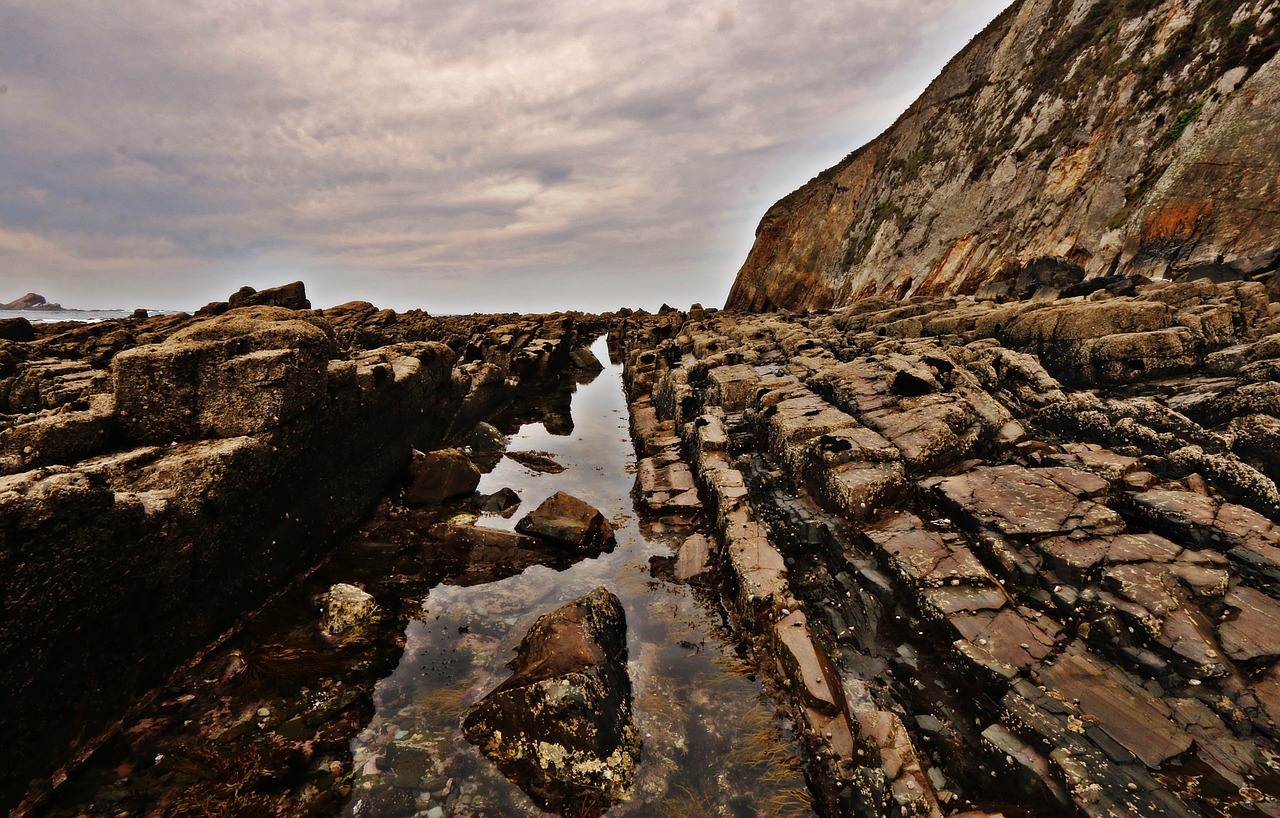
[(1133, 136)]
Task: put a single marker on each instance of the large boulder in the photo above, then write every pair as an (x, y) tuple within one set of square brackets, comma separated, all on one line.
[(561, 726), (567, 519), (240, 373), (16, 329), (439, 476), (290, 296)]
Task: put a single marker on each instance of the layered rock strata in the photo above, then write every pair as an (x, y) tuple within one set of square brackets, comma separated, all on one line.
[(161, 477), (1013, 558), (1101, 137)]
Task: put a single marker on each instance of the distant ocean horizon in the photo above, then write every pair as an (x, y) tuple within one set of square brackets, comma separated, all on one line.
[(83, 316)]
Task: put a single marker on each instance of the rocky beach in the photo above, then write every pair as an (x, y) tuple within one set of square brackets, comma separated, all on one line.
[(966, 504)]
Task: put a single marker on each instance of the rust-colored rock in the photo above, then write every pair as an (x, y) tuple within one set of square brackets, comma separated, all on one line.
[(566, 519), (1025, 155)]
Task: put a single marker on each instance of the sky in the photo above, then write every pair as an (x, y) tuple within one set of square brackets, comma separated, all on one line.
[(492, 155)]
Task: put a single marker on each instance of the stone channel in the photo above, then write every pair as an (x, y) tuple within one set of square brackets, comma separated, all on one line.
[(282, 720), (1010, 556)]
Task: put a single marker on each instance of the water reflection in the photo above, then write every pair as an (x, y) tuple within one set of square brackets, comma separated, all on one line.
[(712, 745)]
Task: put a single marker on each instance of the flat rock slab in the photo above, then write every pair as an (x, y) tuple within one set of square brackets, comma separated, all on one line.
[(1136, 722), (805, 664), (1253, 633), (1073, 557), (565, 518), (1004, 636), (926, 558), (1030, 503), (693, 560)]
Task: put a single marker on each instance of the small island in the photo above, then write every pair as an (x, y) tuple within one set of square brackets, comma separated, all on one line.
[(31, 301)]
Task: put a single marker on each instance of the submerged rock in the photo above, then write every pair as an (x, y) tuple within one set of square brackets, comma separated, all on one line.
[(561, 727), (565, 518), (536, 461)]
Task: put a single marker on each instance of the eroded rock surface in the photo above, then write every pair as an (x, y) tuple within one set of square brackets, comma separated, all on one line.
[(1068, 138), (1011, 557), (161, 476), (566, 519), (561, 726)]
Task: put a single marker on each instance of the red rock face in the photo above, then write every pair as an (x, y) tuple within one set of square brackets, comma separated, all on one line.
[(1115, 138)]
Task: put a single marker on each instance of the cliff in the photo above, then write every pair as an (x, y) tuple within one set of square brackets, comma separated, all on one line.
[(1125, 137)]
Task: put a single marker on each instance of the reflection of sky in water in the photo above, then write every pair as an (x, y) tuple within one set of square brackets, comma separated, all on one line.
[(597, 455), (693, 703)]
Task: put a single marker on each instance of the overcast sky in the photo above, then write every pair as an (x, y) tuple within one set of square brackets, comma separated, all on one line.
[(451, 156)]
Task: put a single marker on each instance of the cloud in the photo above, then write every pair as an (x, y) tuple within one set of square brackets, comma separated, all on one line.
[(452, 156)]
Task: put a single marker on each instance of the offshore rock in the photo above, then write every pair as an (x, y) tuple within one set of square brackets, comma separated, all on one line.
[(561, 726), (565, 518), (30, 301)]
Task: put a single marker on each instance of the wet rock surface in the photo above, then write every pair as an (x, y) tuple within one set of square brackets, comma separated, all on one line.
[(566, 519), (162, 476), (984, 564), (1015, 558), (285, 719), (561, 726)]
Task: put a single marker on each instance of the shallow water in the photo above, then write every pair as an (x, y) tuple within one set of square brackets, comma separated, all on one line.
[(712, 745), (280, 721)]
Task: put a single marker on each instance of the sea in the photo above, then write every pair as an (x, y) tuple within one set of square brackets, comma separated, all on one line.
[(84, 316)]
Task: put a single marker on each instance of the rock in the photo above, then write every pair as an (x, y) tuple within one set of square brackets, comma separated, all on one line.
[(1252, 632), (1048, 273), (693, 560), (290, 296), (439, 476), (1125, 713), (59, 437), (16, 329), (503, 501), (1023, 502), (30, 301), (565, 518), (348, 612), (561, 726), (536, 461), (585, 360), (139, 314), (485, 440), (242, 372)]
